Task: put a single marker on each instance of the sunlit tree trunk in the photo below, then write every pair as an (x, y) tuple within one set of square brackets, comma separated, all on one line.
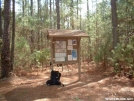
[(58, 14), (72, 14), (53, 18), (80, 20), (5, 54), (77, 12)]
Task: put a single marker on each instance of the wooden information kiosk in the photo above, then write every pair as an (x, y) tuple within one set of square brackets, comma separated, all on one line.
[(65, 46)]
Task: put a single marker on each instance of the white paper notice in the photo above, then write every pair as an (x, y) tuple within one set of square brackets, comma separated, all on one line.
[(74, 58), (60, 59), (60, 54), (69, 47), (69, 42), (69, 57), (64, 44)]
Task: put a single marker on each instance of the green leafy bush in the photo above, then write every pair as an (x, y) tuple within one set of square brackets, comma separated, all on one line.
[(123, 57), (41, 57)]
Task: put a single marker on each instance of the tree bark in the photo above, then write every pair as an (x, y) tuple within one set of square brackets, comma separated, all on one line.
[(5, 54), (89, 48), (72, 13), (114, 23), (31, 7), (32, 34), (23, 8), (80, 20), (77, 8), (58, 14), (0, 20), (50, 14), (39, 16), (13, 36)]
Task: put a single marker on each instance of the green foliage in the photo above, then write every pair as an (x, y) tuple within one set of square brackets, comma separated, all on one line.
[(99, 30), (97, 24), (22, 52), (41, 57), (24, 58), (123, 56)]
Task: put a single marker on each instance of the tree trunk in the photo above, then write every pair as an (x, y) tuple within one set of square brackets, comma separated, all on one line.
[(0, 20), (13, 36), (72, 13), (58, 14), (89, 48), (114, 23), (31, 7), (50, 14), (32, 34), (77, 8), (5, 54), (39, 15), (23, 8), (80, 20)]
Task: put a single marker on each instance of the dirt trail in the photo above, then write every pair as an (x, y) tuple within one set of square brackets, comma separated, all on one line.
[(95, 85)]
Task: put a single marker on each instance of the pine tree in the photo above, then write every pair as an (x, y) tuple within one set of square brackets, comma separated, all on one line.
[(5, 54)]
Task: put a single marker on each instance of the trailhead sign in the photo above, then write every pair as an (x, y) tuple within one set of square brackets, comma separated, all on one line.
[(65, 46)]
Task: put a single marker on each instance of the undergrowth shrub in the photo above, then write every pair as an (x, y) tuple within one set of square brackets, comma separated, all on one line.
[(22, 53), (41, 57), (123, 57), (24, 59)]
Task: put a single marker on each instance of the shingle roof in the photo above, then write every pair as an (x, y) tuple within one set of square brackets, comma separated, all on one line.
[(66, 33)]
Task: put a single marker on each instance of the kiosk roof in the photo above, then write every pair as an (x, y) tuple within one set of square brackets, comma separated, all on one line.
[(66, 33)]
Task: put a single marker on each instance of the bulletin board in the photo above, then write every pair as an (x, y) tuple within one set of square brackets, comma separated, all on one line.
[(65, 50)]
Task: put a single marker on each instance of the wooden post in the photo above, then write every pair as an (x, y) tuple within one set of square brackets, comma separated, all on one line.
[(79, 61), (51, 53)]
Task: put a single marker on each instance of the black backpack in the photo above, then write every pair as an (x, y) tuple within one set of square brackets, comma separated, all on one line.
[(54, 78)]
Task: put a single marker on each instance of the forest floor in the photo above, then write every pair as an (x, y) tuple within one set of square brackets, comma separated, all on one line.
[(95, 85)]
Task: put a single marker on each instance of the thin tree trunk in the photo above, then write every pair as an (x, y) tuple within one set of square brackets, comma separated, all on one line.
[(31, 7), (80, 19), (114, 23), (13, 37), (89, 48), (5, 54), (58, 14), (38, 33), (47, 12), (23, 8), (87, 9), (0, 20), (41, 37), (72, 13), (32, 34), (77, 8), (54, 22), (23, 12), (77, 12), (50, 14)]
